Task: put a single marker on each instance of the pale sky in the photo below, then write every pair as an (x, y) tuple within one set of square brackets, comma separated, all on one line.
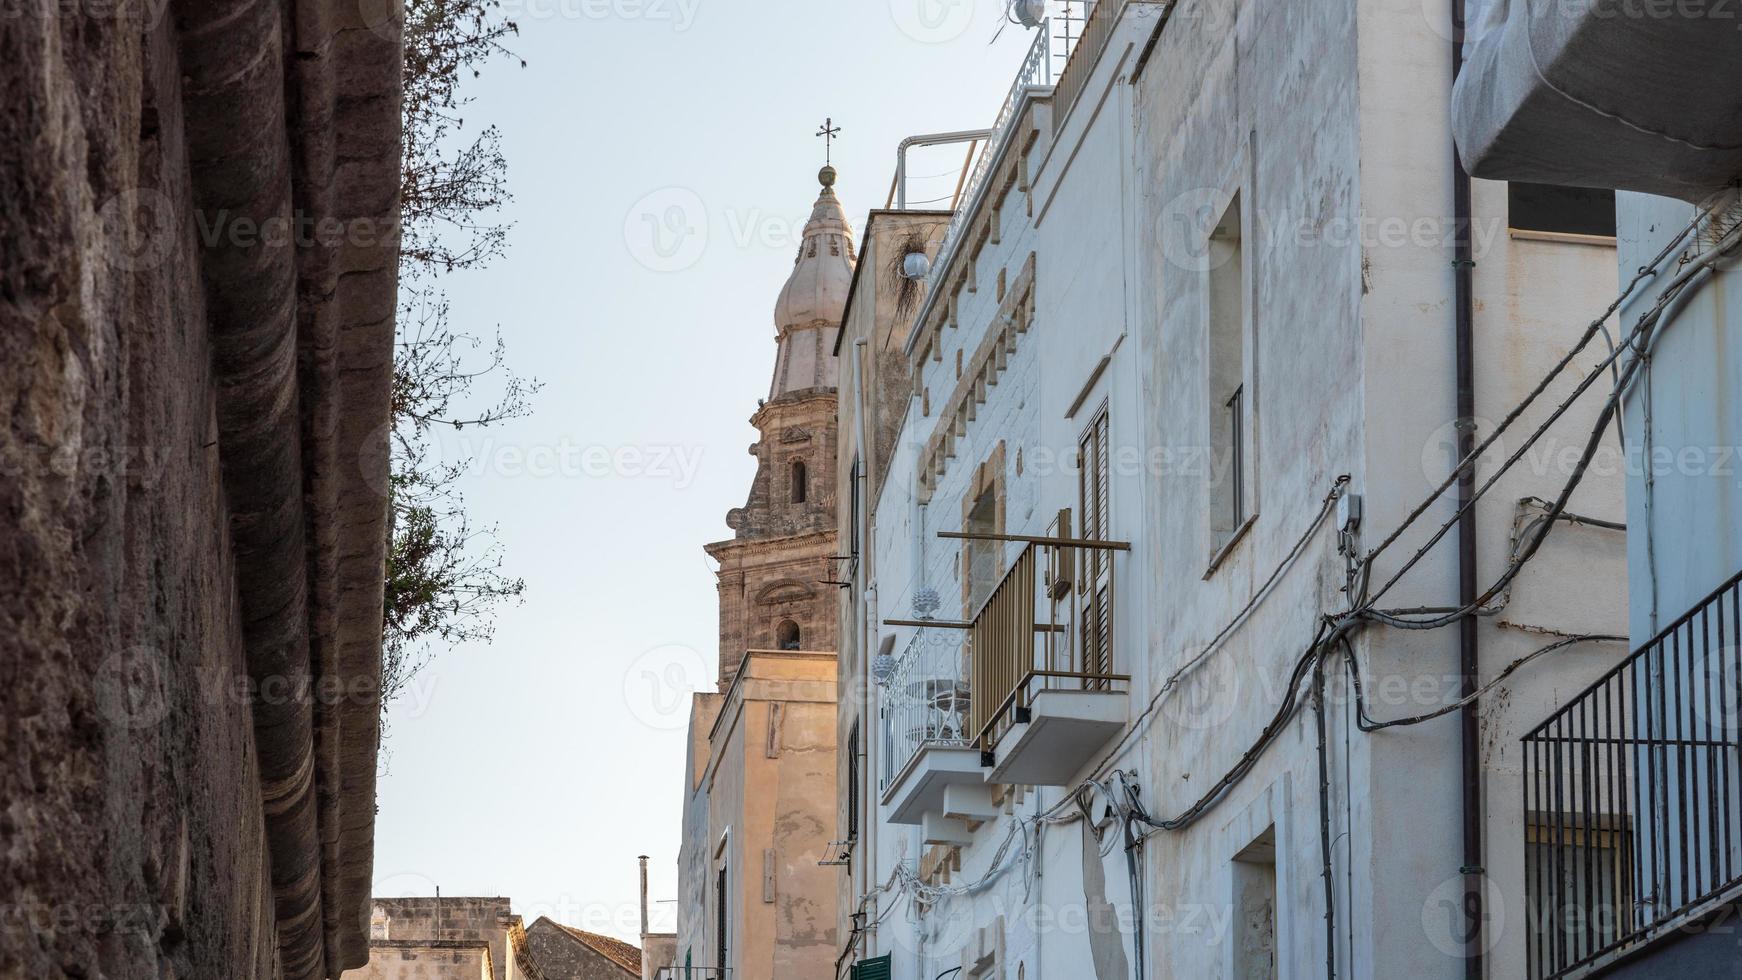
[(539, 766)]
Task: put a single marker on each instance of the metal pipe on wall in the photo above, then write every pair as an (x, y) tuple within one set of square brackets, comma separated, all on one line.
[(1469, 641)]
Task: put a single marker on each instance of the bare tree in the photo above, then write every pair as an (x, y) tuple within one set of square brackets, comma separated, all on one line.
[(444, 576)]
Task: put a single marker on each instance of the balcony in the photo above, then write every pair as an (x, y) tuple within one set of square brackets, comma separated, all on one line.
[(927, 745), (1042, 690), (692, 973), (1633, 822)]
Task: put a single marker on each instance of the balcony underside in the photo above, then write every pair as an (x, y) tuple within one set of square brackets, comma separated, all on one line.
[(919, 788), (1596, 96), (1062, 733)]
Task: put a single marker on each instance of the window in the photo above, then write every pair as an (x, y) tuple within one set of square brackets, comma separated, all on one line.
[(1578, 881), (853, 782), (853, 527), (1095, 584), (1553, 210), (1254, 933), (722, 921), (981, 557), (786, 636), (799, 488), (1226, 359)]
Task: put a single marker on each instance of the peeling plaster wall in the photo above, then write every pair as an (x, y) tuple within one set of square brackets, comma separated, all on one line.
[(1332, 122)]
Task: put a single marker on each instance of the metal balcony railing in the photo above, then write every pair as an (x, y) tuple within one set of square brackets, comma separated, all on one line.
[(1046, 58), (692, 973), (1017, 653), (926, 703), (1633, 822)]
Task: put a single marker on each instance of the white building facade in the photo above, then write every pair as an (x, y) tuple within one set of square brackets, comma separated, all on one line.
[(1166, 442), (1641, 769)]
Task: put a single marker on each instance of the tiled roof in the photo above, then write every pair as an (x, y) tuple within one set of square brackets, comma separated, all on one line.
[(616, 950)]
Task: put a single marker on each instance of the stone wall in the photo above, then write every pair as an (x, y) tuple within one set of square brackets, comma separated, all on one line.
[(191, 507), (461, 959)]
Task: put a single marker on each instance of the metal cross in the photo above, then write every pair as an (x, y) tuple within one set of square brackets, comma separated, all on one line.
[(828, 133)]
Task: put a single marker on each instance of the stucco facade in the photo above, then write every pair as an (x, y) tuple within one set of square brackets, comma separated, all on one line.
[(1231, 224)]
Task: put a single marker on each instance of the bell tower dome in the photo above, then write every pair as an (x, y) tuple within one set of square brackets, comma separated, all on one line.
[(808, 312)]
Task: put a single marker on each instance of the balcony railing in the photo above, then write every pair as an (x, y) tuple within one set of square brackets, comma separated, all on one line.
[(1017, 652), (1633, 824), (692, 973), (927, 700), (1046, 58)]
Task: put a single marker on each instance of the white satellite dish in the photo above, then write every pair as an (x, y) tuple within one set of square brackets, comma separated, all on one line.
[(915, 265), (1028, 13)]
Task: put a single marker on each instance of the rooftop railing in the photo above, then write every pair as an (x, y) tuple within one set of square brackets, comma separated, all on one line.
[(1633, 823), (1041, 67)]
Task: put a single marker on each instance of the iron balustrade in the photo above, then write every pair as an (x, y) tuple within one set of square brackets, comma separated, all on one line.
[(1016, 654), (692, 973), (1047, 55), (1633, 823), (926, 701)]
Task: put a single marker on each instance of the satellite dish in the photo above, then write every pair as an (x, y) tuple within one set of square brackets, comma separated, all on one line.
[(1028, 13), (914, 265)]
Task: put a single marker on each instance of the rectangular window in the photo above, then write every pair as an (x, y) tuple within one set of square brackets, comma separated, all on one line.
[(853, 527), (853, 783), (1254, 932), (722, 921), (1579, 888), (982, 556), (1227, 377), (1555, 210), (1095, 578)]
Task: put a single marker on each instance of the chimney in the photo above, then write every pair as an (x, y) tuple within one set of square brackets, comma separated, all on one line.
[(643, 860)]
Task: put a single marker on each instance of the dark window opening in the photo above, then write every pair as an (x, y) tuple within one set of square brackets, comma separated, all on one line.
[(1561, 210), (853, 783), (722, 922), (786, 635), (799, 490)]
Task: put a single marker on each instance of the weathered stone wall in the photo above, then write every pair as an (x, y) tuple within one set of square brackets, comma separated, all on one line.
[(189, 622), (450, 919), (461, 959)]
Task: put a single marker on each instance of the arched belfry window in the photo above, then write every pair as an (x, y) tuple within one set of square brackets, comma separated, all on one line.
[(786, 635), (799, 488)]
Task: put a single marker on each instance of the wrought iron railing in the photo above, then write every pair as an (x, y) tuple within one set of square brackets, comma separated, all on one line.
[(1016, 653), (926, 701), (1087, 26), (692, 973), (1046, 58), (1633, 823)]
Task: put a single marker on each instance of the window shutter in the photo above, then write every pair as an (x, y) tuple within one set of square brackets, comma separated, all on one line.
[(1095, 581), (876, 968)]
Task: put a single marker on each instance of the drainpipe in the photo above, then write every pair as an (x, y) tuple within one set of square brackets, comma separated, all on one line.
[(868, 632), (1469, 650), (643, 860)]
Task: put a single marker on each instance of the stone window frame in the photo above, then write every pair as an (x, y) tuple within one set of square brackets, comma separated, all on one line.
[(989, 476)]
